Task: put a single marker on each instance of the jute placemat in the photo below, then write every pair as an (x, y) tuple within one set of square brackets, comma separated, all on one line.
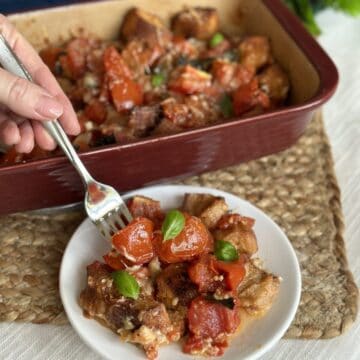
[(297, 188)]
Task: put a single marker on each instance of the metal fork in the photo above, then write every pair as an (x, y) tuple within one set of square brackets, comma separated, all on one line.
[(103, 204)]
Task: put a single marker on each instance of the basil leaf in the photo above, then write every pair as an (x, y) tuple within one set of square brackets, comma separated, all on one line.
[(229, 303), (225, 251), (126, 284), (157, 80), (226, 106), (216, 40), (173, 224)]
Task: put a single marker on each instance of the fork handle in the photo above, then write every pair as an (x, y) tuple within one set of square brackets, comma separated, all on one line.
[(12, 64)]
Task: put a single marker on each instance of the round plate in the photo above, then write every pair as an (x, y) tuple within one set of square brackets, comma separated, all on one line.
[(275, 250)]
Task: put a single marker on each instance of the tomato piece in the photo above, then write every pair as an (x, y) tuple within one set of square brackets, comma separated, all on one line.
[(230, 75), (50, 56), (134, 241), (139, 56), (210, 320), (96, 111), (114, 63), (125, 92), (229, 220), (114, 260), (184, 47), (77, 51), (202, 274), (234, 272), (11, 157), (189, 80), (248, 96), (193, 241)]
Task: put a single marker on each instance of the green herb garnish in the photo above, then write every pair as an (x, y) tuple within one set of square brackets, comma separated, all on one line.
[(226, 106), (216, 40), (225, 251), (157, 80), (126, 284), (173, 224)]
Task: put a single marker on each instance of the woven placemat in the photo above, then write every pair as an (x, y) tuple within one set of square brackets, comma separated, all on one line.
[(296, 187)]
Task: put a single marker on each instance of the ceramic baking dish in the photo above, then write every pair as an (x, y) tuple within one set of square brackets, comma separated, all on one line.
[(53, 181)]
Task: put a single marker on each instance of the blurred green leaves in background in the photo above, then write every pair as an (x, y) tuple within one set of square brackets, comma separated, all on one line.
[(306, 10)]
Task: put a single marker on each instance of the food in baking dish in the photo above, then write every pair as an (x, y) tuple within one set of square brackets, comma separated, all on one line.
[(153, 80), (188, 274)]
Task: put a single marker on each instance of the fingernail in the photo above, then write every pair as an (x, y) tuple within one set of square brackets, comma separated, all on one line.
[(49, 108)]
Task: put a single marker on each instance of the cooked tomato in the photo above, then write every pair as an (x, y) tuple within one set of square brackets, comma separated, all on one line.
[(207, 319), (114, 260), (230, 75), (195, 345), (77, 51), (202, 274), (229, 220), (248, 96), (189, 80), (125, 92), (193, 241), (10, 157), (139, 56), (96, 111), (234, 272), (134, 241), (50, 56), (114, 64), (184, 47)]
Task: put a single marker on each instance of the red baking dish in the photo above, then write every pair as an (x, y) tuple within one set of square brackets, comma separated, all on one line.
[(53, 181)]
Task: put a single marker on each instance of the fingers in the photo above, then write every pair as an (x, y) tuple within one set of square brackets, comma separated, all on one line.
[(27, 99), (42, 138), (68, 119), (41, 75), (9, 132), (26, 143)]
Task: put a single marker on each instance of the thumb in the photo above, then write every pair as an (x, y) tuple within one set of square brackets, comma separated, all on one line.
[(27, 99)]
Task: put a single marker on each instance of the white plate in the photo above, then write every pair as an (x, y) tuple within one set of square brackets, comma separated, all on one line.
[(275, 249)]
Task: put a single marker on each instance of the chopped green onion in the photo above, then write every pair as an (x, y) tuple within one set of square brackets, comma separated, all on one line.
[(216, 40), (226, 106), (126, 284), (157, 80), (173, 224), (225, 251)]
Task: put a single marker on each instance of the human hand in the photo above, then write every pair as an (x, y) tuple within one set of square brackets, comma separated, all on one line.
[(23, 105)]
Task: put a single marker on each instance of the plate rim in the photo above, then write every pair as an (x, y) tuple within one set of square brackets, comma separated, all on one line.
[(192, 189)]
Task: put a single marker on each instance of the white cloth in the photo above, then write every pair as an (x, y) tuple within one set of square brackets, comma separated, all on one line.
[(341, 39)]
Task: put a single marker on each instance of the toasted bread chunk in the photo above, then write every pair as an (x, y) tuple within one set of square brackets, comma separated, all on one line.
[(207, 207), (142, 206), (244, 239), (174, 286), (258, 290), (275, 83), (139, 24), (255, 52), (201, 23)]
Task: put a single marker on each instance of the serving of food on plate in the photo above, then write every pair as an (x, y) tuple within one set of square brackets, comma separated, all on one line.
[(189, 274), (154, 80)]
